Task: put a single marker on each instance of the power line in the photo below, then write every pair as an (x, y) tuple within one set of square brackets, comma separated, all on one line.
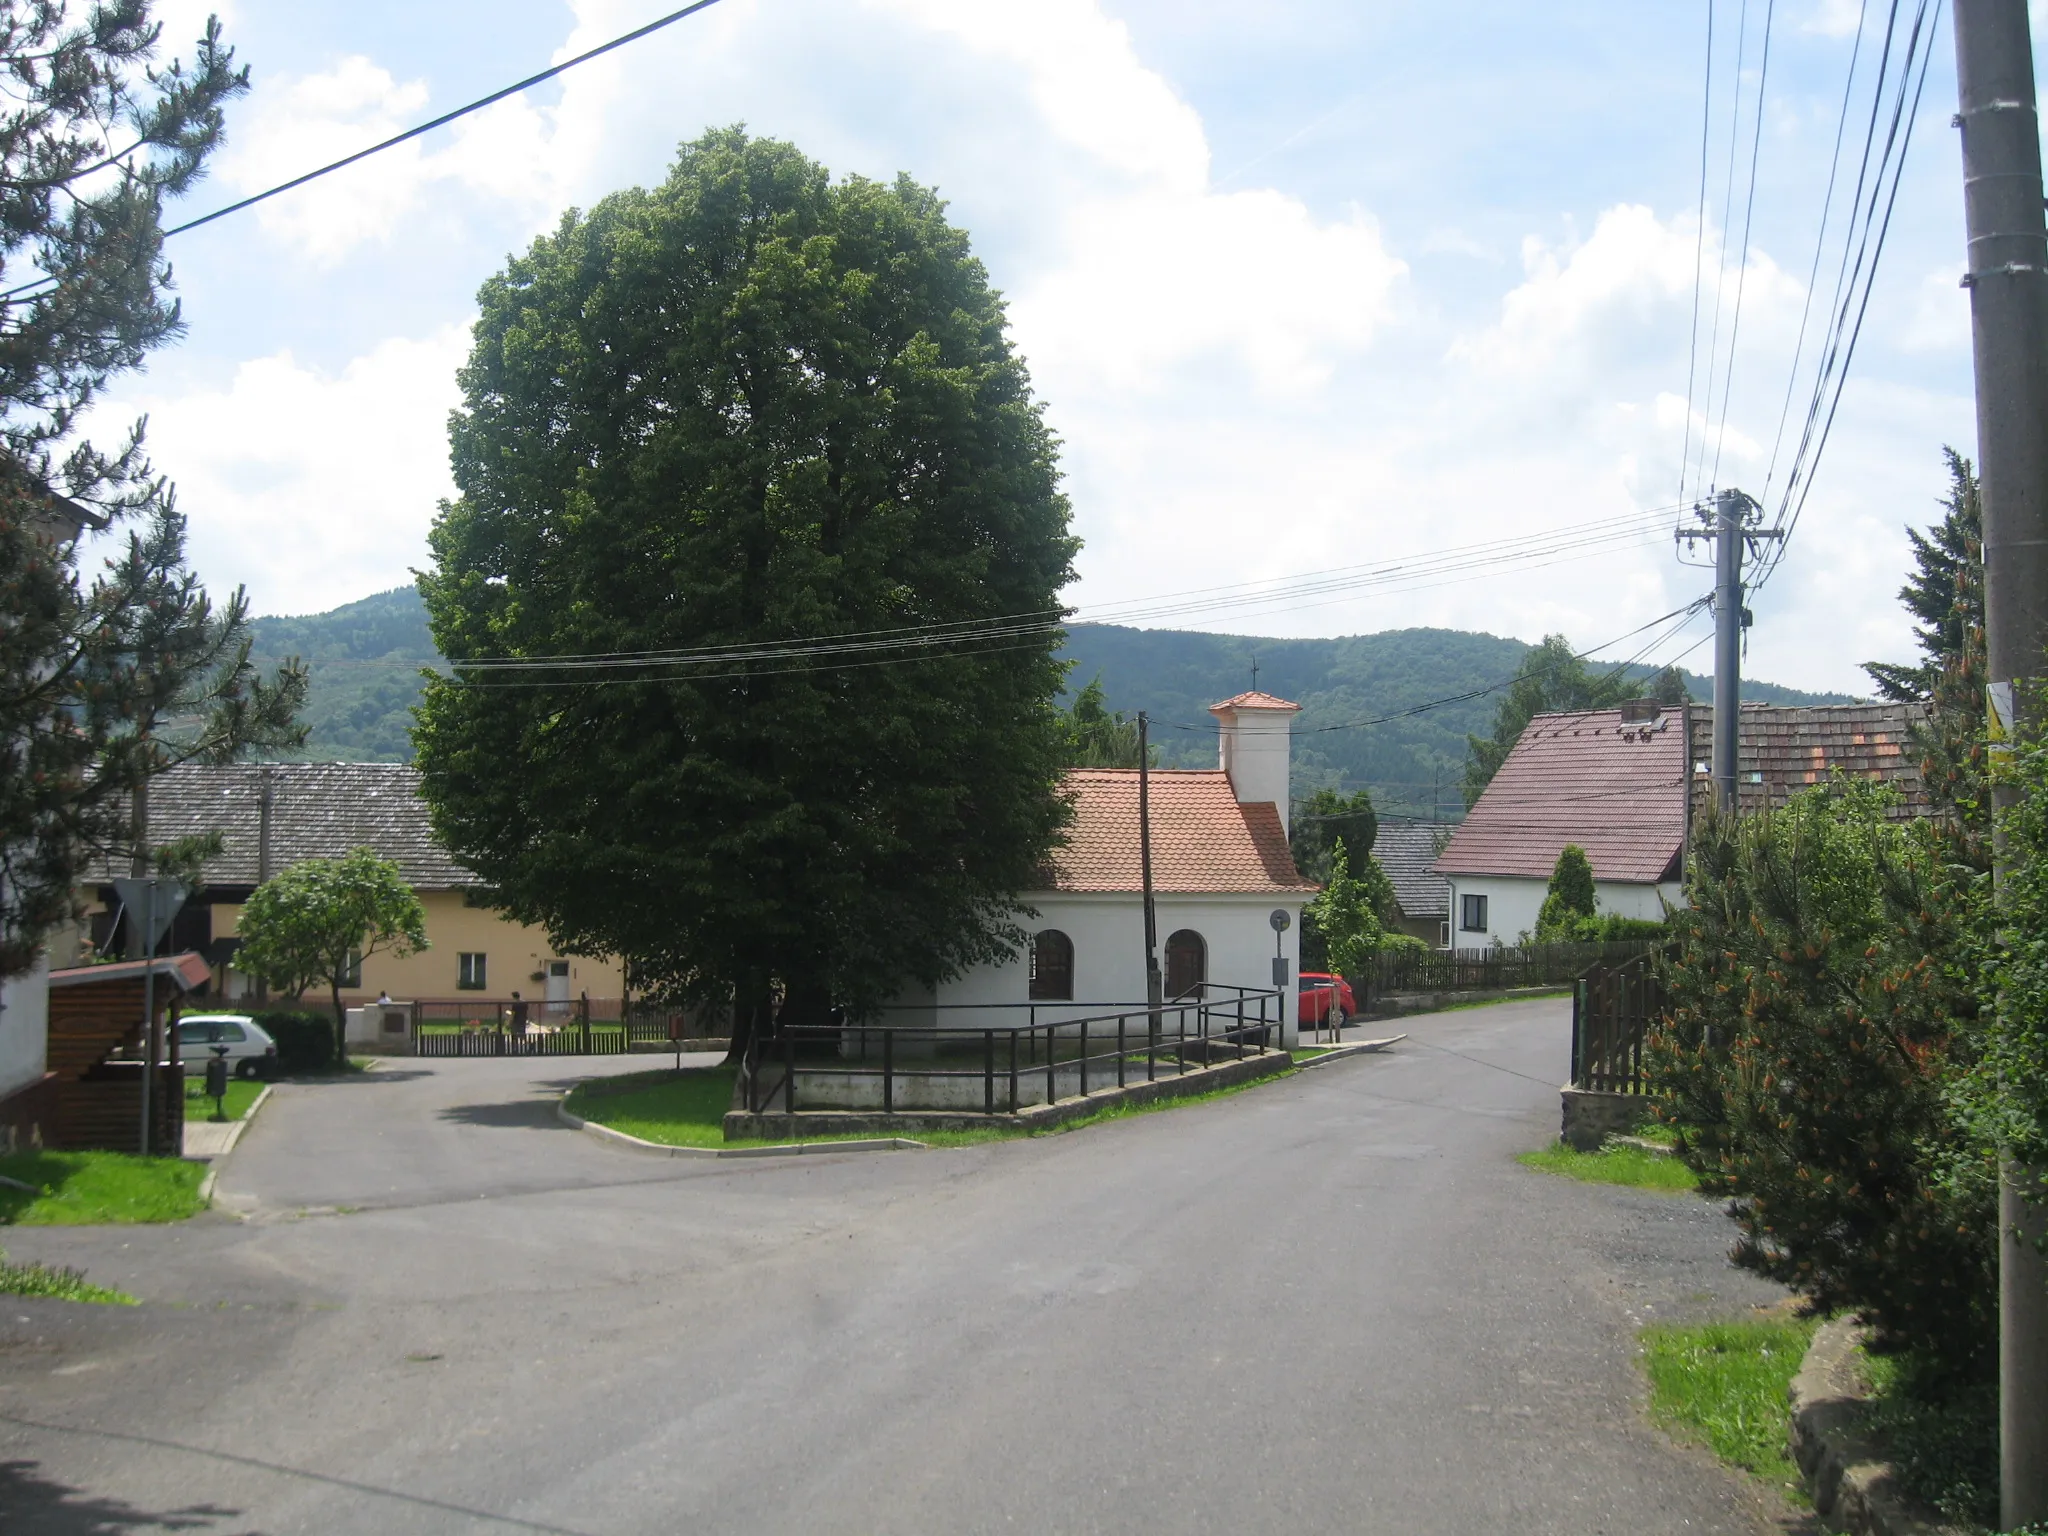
[(1756, 142), (1727, 207), (412, 133), (1899, 132), (1698, 259)]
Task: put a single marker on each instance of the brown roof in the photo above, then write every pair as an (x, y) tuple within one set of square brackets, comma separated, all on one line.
[(319, 810), (1781, 749), (1615, 789), (1254, 700), (1203, 840), (186, 972)]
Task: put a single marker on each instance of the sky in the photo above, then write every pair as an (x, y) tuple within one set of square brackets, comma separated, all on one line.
[(1305, 285)]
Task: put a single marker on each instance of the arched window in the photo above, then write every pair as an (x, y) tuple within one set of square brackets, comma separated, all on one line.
[(1187, 964), (1052, 967)]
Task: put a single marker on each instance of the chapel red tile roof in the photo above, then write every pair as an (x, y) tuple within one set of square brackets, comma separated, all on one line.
[(1203, 840), (1615, 789), (1781, 749), (1254, 700)]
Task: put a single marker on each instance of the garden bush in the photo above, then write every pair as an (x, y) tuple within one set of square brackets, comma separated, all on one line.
[(305, 1040), (1824, 1000)]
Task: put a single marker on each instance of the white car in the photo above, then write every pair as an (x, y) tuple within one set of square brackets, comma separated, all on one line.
[(250, 1050)]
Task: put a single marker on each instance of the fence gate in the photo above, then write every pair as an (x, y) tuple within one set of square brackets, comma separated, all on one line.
[(1612, 1009), (575, 1029)]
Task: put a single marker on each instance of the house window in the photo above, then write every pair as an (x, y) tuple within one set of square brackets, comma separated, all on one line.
[(352, 973), (1472, 914), (1187, 964), (469, 973), (1052, 967)]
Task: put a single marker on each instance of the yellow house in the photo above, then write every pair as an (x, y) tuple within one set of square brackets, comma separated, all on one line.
[(272, 816)]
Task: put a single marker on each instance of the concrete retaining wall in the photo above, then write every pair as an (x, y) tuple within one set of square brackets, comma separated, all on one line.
[(1592, 1116)]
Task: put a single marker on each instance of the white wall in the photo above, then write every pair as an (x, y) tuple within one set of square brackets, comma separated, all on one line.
[(1108, 932), (1253, 748), (1512, 904), (24, 1027)]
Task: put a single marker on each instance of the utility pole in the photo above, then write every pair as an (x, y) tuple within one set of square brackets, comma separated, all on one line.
[(1730, 528), (1154, 991), (2006, 273), (266, 803)]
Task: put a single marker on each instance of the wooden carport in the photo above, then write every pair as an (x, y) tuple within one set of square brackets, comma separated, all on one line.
[(96, 1054)]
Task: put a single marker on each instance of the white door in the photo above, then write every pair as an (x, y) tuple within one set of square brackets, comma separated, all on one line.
[(558, 989)]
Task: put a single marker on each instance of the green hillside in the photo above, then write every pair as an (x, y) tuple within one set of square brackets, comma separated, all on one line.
[(366, 659)]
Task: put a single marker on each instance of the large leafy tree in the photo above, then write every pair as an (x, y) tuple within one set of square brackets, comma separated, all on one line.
[(1550, 678), (750, 407), (102, 684), (1099, 736), (317, 921)]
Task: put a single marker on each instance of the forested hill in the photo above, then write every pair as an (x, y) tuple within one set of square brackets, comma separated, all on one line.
[(366, 659)]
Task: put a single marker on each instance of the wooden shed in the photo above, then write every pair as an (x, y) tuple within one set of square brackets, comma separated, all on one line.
[(96, 1055)]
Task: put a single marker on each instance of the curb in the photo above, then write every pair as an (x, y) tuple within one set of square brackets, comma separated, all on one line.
[(627, 1143), (1852, 1485), (1348, 1048)]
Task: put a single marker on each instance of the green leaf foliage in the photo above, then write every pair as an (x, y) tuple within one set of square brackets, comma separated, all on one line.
[(1101, 737), (1329, 818), (1345, 917), (1569, 902), (1824, 1000), (314, 921), (750, 405)]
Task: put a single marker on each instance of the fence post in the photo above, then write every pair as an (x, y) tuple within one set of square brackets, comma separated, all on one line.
[(789, 1070), (1578, 1008), (1013, 1071), (1084, 1058), (888, 1071), (988, 1071), (1119, 1050)]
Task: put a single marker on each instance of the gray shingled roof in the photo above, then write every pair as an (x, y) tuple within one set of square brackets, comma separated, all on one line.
[(320, 810), (1407, 851)]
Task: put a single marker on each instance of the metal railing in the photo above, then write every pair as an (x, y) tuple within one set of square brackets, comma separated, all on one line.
[(578, 1027), (909, 1067)]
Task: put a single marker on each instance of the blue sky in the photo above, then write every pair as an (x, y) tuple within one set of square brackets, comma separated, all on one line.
[(1304, 285)]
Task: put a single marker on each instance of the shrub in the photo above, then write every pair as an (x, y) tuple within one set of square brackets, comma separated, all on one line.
[(305, 1040), (1823, 1000), (1570, 899)]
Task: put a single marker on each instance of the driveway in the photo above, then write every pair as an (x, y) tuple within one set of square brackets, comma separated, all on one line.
[(1334, 1303)]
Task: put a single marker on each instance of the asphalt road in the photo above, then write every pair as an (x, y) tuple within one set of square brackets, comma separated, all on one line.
[(1332, 1303)]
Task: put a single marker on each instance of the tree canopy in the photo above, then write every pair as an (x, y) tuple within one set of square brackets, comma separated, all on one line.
[(1101, 737), (1550, 678), (318, 920), (102, 684), (1328, 820), (1945, 590), (751, 406)]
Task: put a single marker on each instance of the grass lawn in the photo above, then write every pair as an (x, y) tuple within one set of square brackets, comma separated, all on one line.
[(82, 1188), (687, 1109), (241, 1098), (1614, 1165), (1724, 1384)]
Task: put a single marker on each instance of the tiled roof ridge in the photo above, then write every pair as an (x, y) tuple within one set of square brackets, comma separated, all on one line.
[(1253, 698)]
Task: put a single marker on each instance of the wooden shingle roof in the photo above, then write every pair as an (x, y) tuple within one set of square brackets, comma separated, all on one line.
[(320, 810), (1781, 749), (1614, 787), (1203, 840)]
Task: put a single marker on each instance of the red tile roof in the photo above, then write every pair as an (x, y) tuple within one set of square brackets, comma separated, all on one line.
[(1781, 749), (1254, 700), (1203, 840), (1616, 790)]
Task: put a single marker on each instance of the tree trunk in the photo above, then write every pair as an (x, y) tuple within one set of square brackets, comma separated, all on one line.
[(752, 1009), (340, 1026)]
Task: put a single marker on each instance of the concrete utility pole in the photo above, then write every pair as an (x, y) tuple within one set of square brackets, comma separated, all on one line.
[(1154, 991), (2007, 275), (266, 804), (1729, 529)]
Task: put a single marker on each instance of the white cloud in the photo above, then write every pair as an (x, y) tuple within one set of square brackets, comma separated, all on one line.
[(311, 487), (1834, 18)]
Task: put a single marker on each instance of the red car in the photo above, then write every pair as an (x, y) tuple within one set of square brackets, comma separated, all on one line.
[(1322, 994)]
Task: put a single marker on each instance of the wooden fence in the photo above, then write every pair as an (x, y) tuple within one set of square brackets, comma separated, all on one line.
[(1490, 970), (1613, 1008)]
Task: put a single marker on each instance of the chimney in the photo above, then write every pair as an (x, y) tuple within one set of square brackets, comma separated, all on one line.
[(1253, 731), (1640, 711)]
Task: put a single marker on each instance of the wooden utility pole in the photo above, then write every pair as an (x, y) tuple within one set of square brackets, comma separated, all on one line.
[(2006, 273)]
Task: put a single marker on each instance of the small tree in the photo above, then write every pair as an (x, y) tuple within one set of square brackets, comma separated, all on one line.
[(1329, 817), (1569, 905), (1101, 737), (1346, 916), (320, 919)]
